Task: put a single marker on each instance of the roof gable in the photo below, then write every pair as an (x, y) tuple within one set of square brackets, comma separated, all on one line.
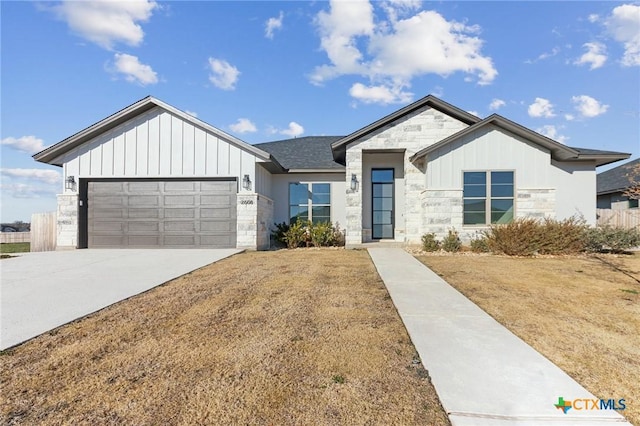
[(339, 147), (50, 154), (558, 151)]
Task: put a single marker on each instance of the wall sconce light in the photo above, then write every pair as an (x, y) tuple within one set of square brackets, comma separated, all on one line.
[(70, 183), (354, 182), (246, 182)]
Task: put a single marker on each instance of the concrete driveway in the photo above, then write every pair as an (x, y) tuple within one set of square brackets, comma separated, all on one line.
[(42, 291)]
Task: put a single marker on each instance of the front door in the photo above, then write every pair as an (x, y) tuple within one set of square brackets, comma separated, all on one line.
[(382, 203)]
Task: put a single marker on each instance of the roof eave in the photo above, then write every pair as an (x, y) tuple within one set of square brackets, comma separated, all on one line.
[(53, 152), (339, 147)]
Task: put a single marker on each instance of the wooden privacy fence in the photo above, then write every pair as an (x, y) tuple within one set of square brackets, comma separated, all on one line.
[(619, 218), (15, 237), (43, 231)]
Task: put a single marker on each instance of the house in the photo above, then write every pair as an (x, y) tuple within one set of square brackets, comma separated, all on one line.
[(151, 175), (611, 185)]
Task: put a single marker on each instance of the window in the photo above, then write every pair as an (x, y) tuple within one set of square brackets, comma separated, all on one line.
[(633, 204), (487, 197), (310, 201)]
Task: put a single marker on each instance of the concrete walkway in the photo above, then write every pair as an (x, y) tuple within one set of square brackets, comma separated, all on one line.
[(483, 374), (42, 291)]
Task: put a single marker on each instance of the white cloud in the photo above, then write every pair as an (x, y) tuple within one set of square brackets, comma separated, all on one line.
[(26, 144), (379, 94), (40, 175), (496, 104), (223, 75), (596, 55), (588, 106), (294, 130), (551, 132), (133, 70), (391, 53), (544, 55), (107, 22), (273, 24), (541, 108), (472, 112), (23, 190), (569, 117), (624, 25), (594, 17), (191, 113), (243, 125)]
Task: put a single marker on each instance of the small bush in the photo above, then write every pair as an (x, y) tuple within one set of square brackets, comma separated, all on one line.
[(451, 242), (479, 245), (321, 234), (304, 233), (298, 234), (279, 234), (562, 236), (429, 242), (518, 238), (613, 238)]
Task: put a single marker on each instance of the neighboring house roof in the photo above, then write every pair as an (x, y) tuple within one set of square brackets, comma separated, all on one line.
[(616, 179), (309, 153), (558, 151), (339, 147), (50, 154)]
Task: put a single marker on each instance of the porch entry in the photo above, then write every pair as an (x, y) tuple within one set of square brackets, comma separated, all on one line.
[(382, 204)]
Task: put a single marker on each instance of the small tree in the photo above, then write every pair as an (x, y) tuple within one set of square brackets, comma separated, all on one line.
[(633, 191)]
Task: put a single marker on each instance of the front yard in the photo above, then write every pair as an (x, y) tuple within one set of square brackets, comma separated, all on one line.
[(286, 337), (583, 313)]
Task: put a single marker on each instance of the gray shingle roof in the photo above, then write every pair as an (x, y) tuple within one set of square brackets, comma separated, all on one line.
[(615, 180), (305, 153)]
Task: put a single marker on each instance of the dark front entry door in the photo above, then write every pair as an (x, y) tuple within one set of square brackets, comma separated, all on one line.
[(382, 203)]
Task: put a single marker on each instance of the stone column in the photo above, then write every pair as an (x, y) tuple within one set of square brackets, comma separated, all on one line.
[(67, 218), (353, 226), (247, 221)]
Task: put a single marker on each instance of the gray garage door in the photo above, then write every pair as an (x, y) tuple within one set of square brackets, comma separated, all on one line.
[(169, 214)]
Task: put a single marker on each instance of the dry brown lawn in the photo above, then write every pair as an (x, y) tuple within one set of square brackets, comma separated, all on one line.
[(286, 337), (583, 313)]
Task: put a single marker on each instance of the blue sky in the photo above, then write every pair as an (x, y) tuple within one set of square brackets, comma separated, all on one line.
[(269, 70)]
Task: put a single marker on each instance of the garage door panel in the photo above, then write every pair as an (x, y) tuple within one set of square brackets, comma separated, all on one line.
[(143, 186), (143, 240), (187, 226), (143, 200), (109, 226), (143, 226), (222, 241), (222, 226), (143, 213), (181, 186), (222, 213), (188, 200), (162, 214), (172, 212), (106, 213)]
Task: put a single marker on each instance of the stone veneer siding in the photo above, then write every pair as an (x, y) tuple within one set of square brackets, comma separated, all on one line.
[(247, 216), (442, 210), (67, 221), (265, 220), (411, 133)]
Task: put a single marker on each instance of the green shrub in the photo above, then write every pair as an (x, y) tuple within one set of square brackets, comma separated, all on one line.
[(298, 234), (518, 238), (304, 233), (429, 242), (613, 238), (479, 244), (279, 233), (566, 236), (338, 236), (321, 234), (451, 242)]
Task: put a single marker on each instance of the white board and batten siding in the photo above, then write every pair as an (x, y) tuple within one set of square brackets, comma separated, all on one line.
[(492, 148), (159, 144)]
